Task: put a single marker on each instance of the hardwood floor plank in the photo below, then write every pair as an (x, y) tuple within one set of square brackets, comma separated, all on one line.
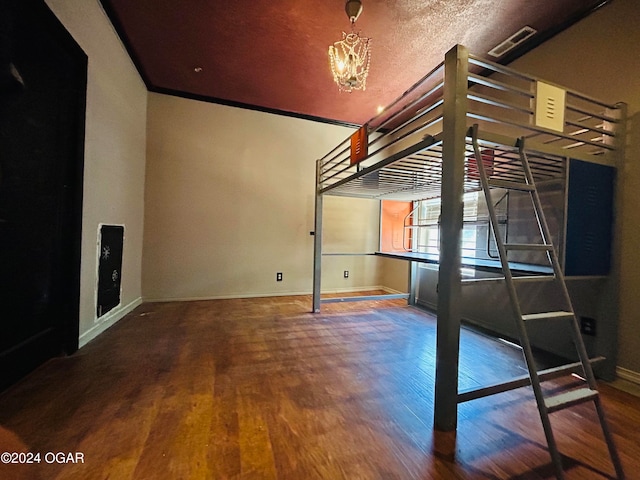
[(263, 389), (256, 455)]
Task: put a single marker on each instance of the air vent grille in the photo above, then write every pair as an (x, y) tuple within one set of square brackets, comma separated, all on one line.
[(513, 41)]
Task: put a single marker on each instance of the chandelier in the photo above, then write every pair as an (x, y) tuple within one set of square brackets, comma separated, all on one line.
[(349, 58)]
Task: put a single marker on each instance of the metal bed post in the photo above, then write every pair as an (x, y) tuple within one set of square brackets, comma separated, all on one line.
[(449, 280), (412, 283), (317, 241), (610, 303)]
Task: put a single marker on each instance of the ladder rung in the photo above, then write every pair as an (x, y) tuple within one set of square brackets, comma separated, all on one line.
[(524, 187), (534, 278), (547, 315), (568, 399), (528, 246)]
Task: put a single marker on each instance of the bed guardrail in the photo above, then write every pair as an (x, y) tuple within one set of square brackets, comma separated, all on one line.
[(502, 101)]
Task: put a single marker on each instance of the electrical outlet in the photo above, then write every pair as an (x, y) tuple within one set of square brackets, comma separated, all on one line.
[(279, 277), (346, 274), (588, 326)]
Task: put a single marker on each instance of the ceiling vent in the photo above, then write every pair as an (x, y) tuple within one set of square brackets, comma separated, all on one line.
[(512, 42)]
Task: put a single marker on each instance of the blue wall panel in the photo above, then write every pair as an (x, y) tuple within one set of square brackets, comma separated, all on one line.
[(589, 218)]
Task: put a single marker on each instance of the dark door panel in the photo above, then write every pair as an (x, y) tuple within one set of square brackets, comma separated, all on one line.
[(42, 100)]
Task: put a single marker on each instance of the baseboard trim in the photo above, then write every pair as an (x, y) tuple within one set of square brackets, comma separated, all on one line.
[(265, 295), (628, 375), (334, 291), (108, 320), (428, 305), (223, 297)]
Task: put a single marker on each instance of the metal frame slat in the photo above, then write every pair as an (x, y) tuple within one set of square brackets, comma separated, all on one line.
[(538, 148), (336, 165), (410, 90), (342, 152), (589, 99), (601, 116), (478, 116), (487, 64), (426, 166), (584, 129), (522, 381), (403, 136), (418, 114), (391, 159), (498, 85), (511, 72), (337, 170), (486, 99)]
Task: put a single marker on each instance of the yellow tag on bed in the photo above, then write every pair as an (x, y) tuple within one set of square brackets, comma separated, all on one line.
[(550, 105)]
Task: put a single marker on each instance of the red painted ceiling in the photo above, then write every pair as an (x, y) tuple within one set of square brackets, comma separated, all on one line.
[(272, 54)]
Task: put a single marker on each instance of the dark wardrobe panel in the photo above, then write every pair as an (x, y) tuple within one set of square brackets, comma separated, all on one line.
[(43, 76)]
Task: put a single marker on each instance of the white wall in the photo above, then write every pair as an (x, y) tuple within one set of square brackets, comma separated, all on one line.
[(600, 56), (230, 202), (114, 155), (351, 226)]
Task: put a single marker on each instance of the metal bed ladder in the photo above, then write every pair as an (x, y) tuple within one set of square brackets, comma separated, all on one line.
[(548, 404)]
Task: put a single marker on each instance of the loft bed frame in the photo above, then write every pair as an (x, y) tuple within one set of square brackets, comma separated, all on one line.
[(421, 147)]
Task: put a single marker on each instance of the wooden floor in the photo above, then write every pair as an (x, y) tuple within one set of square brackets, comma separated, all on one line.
[(262, 389)]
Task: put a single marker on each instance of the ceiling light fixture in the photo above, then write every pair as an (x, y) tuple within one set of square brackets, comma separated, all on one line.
[(349, 58)]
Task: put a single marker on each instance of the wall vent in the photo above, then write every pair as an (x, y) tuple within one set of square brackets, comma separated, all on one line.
[(513, 41)]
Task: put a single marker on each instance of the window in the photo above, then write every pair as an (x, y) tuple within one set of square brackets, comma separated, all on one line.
[(427, 226)]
